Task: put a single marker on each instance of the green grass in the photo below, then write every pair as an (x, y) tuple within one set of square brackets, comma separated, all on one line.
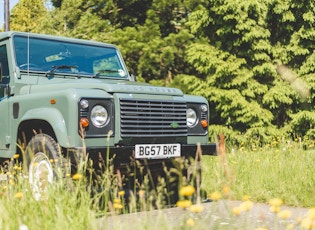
[(264, 174), (261, 174), (63, 210)]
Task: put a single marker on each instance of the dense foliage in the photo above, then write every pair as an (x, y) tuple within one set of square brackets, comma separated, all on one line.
[(253, 60)]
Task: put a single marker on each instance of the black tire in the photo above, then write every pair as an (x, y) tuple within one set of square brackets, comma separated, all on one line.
[(44, 164)]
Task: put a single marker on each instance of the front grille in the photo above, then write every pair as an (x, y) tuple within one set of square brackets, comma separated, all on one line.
[(152, 118)]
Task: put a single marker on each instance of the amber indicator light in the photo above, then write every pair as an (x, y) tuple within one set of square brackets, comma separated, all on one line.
[(204, 123), (84, 122)]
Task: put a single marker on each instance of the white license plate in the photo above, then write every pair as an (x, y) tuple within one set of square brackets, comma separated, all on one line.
[(156, 151)]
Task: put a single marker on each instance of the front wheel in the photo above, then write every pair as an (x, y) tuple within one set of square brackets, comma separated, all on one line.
[(44, 164)]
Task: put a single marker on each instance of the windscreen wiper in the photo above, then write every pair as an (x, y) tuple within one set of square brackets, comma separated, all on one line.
[(102, 71), (49, 73)]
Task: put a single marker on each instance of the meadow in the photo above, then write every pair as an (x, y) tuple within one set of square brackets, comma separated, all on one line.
[(285, 171), (276, 175)]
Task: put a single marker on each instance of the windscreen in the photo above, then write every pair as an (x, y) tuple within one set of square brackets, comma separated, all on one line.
[(60, 57)]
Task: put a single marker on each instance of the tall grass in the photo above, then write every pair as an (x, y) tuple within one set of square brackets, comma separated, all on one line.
[(288, 173), (261, 174), (64, 209)]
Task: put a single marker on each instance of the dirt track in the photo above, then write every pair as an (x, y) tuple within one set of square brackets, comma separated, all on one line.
[(215, 215)]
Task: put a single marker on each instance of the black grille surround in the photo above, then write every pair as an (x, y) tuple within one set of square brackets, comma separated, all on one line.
[(152, 118)]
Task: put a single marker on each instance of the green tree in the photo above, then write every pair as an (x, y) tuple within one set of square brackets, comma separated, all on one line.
[(28, 15), (56, 3), (253, 60), (151, 33), (239, 45), (155, 50), (75, 18)]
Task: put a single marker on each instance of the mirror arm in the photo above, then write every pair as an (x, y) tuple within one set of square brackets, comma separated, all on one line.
[(8, 89)]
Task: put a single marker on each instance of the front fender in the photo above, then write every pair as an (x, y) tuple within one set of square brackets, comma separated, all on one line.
[(54, 118)]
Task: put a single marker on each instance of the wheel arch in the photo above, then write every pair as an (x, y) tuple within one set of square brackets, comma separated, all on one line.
[(49, 122)]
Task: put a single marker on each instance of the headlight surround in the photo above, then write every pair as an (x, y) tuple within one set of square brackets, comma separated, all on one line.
[(192, 118), (99, 116)]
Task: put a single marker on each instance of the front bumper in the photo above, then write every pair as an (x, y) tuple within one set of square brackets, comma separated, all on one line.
[(128, 151), (124, 155), (124, 163)]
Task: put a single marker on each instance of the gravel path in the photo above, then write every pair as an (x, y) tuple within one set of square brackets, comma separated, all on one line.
[(215, 215)]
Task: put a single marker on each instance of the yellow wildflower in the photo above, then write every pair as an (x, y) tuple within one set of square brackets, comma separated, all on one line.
[(196, 208), (141, 193), (117, 201), (237, 210), (275, 209), (246, 198), (11, 182), (183, 203), (18, 195), (121, 193), (118, 206), (275, 202), (187, 190), (307, 223), (215, 196), (246, 205), (16, 156), (77, 176), (311, 213), (190, 222), (226, 190), (285, 214)]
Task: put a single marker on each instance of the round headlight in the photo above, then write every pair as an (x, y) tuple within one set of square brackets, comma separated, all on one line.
[(99, 116), (191, 118)]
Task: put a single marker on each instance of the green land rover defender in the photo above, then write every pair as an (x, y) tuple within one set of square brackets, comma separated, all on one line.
[(64, 100)]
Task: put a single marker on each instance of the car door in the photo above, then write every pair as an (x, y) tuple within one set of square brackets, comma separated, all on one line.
[(5, 120)]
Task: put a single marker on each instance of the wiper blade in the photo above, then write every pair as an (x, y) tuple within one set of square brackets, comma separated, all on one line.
[(55, 68), (100, 72)]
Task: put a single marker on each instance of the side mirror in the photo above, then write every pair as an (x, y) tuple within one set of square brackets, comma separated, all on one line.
[(8, 90), (133, 77)]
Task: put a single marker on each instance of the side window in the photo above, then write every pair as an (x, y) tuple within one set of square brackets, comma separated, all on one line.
[(4, 69), (4, 63)]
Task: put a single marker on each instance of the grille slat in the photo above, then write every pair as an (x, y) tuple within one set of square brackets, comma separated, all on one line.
[(145, 127), (154, 109), (143, 118), (152, 121), (153, 114), (149, 118)]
